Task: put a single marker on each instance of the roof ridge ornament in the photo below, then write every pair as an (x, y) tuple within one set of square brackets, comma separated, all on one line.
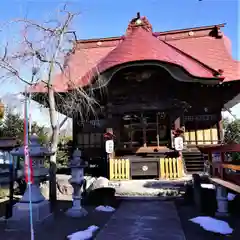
[(139, 22), (216, 32)]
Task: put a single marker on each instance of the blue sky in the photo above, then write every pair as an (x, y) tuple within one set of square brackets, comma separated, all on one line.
[(106, 18)]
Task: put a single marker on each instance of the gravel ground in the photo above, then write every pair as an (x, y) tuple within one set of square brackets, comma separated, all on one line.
[(148, 187), (195, 232)]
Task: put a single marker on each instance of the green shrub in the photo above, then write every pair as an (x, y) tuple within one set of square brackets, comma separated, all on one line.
[(3, 192)]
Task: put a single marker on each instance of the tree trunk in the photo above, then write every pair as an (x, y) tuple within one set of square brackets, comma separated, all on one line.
[(54, 144), (53, 182)]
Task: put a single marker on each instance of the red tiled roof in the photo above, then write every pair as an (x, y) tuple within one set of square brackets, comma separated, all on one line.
[(216, 53), (142, 45), (193, 49), (79, 64)]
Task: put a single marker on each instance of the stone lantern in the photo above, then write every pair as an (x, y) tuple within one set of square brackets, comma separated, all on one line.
[(77, 166), (40, 206)]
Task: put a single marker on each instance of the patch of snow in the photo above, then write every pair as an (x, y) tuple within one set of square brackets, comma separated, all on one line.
[(231, 196), (213, 225), (83, 235), (105, 208), (100, 182), (208, 186)]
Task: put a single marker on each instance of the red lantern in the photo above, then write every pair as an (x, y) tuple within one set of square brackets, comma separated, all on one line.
[(108, 136), (178, 132)]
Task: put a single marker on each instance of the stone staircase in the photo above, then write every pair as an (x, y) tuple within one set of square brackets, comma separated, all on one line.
[(194, 161)]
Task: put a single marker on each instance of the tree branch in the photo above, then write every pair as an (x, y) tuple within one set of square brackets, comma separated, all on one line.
[(63, 122)]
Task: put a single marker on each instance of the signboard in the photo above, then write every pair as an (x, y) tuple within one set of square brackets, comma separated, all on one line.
[(178, 143), (216, 157), (109, 146)]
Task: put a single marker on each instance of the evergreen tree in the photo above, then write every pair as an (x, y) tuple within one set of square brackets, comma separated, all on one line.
[(13, 126), (232, 132), (232, 135)]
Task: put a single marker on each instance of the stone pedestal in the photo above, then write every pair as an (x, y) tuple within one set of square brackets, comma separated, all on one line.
[(76, 210), (32, 198), (40, 207), (21, 215), (76, 180)]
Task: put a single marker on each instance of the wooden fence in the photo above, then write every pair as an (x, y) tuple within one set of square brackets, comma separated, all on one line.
[(119, 169), (171, 168)]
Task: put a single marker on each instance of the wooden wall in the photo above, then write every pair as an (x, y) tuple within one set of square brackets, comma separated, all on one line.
[(202, 129)]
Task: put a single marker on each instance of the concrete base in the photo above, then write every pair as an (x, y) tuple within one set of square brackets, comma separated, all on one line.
[(21, 215), (76, 212)]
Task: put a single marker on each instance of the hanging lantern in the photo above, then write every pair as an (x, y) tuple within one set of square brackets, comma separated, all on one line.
[(108, 136), (1, 110)]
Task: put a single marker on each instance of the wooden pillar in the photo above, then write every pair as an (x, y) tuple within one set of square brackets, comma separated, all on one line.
[(195, 130), (157, 122), (220, 128), (110, 128), (117, 130), (177, 123), (171, 124), (211, 169), (179, 119), (221, 167), (144, 131)]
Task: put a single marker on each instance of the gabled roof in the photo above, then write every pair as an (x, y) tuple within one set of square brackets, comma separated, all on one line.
[(203, 52), (142, 45)]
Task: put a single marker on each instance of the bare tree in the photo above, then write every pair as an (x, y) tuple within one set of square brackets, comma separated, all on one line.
[(43, 51)]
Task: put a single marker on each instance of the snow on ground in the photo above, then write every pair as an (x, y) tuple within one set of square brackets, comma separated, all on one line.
[(105, 209), (213, 225), (83, 235)]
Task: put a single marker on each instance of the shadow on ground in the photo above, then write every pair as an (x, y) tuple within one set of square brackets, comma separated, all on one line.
[(162, 185), (62, 225)]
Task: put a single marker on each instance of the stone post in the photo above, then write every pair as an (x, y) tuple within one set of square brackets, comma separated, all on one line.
[(197, 191), (222, 201), (40, 206), (77, 179)]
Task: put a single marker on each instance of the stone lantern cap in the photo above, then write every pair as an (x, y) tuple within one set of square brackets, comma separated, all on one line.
[(77, 153), (35, 149), (76, 160)]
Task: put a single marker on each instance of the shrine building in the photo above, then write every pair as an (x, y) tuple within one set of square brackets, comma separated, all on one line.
[(153, 85)]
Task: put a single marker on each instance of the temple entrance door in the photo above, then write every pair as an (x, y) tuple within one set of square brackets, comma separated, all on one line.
[(148, 129), (157, 129)]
